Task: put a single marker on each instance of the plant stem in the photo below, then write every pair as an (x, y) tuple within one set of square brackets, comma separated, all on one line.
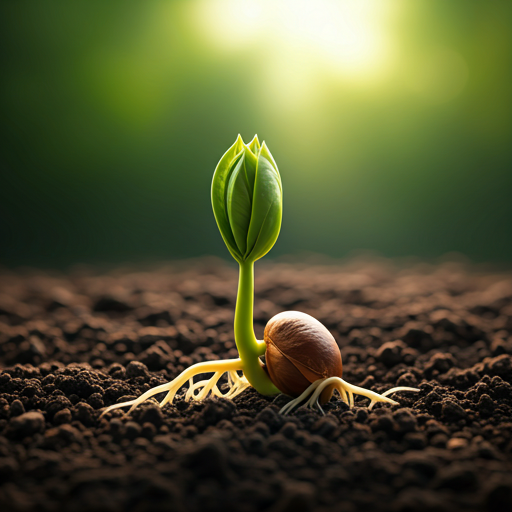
[(246, 343)]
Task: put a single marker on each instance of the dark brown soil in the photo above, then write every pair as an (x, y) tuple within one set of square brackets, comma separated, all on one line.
[(70, 345)]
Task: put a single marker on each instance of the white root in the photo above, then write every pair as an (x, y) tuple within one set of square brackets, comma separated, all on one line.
[(198, 390), (346, 391), (238, 383)]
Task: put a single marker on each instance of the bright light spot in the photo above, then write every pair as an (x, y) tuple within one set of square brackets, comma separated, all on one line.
[(230, 23), (347, 36), (440, 77)]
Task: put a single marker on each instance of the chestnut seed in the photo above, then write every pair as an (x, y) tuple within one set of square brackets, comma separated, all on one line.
[(299, 351)]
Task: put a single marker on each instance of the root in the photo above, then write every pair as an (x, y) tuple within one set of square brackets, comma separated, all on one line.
[(237, 384), (197, 390), (346, 391)]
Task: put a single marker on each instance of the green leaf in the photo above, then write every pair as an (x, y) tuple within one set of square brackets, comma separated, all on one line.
[(254, 145), (247, 200), (238, 200), (250, 165), (267, 207), (220, 182), (266, 153)]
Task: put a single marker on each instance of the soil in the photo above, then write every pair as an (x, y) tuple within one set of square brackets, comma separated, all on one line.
[(72, 344)]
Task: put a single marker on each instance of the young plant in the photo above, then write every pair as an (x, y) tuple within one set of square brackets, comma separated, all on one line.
[(247, 203), (302, 358)]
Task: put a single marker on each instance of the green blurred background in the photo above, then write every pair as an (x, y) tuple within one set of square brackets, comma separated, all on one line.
[(390, 120)]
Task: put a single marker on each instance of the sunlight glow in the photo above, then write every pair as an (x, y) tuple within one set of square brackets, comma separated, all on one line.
[(231, 24), (348, 36)]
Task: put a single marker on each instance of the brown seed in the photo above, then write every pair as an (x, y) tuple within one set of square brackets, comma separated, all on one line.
[(299, 351)]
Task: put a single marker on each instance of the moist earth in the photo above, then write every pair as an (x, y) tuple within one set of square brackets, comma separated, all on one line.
[(71, 344)]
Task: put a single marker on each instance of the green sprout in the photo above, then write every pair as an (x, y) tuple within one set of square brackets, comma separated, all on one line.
[(302, 356), (247, 202), (247, 199)]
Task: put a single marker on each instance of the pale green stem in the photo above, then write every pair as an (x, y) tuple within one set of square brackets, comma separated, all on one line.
[(248, 346)]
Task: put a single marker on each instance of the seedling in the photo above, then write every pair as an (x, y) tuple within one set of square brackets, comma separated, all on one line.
[(302, 357)]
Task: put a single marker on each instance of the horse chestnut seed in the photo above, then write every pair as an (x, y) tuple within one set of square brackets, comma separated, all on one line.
[(299, 351)]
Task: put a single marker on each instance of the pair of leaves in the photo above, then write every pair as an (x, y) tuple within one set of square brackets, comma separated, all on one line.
[(247, 200)]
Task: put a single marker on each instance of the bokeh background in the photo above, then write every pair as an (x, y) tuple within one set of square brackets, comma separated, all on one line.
[(390, 120)]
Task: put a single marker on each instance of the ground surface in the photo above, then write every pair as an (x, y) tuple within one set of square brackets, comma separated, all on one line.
[(70, 345)]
